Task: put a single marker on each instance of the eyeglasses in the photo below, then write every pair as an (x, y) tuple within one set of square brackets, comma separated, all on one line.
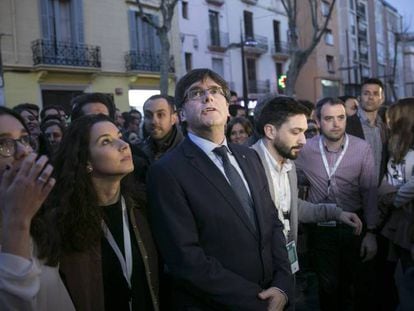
[(198, 93), (8, 146)]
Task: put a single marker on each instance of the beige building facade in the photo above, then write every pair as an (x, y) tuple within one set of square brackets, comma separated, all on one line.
[(53, 50)]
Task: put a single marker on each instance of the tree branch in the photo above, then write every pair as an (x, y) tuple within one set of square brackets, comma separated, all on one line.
[(320, 31), (327, 19)]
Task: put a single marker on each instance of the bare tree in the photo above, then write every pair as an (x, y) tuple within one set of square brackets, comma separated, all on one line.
[(300, 54), (166, 8)]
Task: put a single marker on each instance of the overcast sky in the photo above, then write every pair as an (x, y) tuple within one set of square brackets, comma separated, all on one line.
[(406, 9)]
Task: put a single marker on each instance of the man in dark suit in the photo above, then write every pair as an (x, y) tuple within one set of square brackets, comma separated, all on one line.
[(367, 124), (212, 215)]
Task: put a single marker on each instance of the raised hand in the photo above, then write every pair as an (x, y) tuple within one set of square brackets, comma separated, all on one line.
[(23, 189)]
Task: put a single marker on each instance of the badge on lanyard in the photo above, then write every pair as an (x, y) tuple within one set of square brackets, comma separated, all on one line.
[(125, 261), (293, 256), (329, 172)]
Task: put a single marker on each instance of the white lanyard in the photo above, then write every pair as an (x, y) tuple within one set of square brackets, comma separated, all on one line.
[(338, 161), (126, 263)]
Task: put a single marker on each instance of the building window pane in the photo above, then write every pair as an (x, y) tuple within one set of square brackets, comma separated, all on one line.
[(65, 21), (325, 8), (329, 37), (248, 25), (279, 69), (330, 63), (214, 28), (188, 61), (184, 9), (330, 88), (217, 65)]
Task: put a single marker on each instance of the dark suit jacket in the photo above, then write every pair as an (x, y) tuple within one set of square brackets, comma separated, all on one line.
[(216, 259)]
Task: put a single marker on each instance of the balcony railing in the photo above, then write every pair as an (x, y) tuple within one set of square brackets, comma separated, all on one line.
[(362, 34), (361, 12), (256, 44), (249, 1), (216, 2), (259, 87), (145, 61), (280, 49), (47, 52), (217, 40)]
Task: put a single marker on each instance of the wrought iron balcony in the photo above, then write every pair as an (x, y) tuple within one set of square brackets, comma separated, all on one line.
[(362, 34), (216, 2), (145, 61), (217, 41), (249, 1), (259, 87), (47, 52), (280, 50), (256, 44), (361, 11)]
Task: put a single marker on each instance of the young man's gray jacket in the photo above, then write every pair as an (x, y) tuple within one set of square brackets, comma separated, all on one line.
[(300, 210)]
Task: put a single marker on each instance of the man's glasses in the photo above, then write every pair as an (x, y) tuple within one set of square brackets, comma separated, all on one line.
[(199, 93), (8, 146)]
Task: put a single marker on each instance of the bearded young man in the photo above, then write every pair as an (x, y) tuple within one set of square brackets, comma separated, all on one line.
[(282, 124), (340, 169)]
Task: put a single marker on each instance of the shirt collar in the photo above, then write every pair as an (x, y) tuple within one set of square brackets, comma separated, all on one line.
[(326, 147), (206, 145), (286, 165), (363, 117)]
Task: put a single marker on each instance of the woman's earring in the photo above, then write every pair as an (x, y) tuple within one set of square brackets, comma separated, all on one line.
[(89, 169)]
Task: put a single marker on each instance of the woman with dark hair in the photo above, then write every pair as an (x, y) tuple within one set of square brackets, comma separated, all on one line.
[(239, 130), (105, 249), (399, 228), (25, 182), (97, 228)]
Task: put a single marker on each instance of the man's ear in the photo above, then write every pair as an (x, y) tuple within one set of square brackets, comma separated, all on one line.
[(182, 115), (270, 131), (174, 117)]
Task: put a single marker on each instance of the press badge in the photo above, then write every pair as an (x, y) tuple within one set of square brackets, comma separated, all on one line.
[(293, 256)]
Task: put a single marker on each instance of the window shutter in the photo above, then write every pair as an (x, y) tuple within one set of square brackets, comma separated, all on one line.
[(248, 25), (46, 13), (143, 35), (157, 42), (132, 23), (77, 21)]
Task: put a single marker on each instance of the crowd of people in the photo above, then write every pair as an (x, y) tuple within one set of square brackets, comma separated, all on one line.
[(196, 205)]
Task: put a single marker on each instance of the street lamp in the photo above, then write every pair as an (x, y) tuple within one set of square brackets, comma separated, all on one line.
[(243, 66), (244, 83)]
